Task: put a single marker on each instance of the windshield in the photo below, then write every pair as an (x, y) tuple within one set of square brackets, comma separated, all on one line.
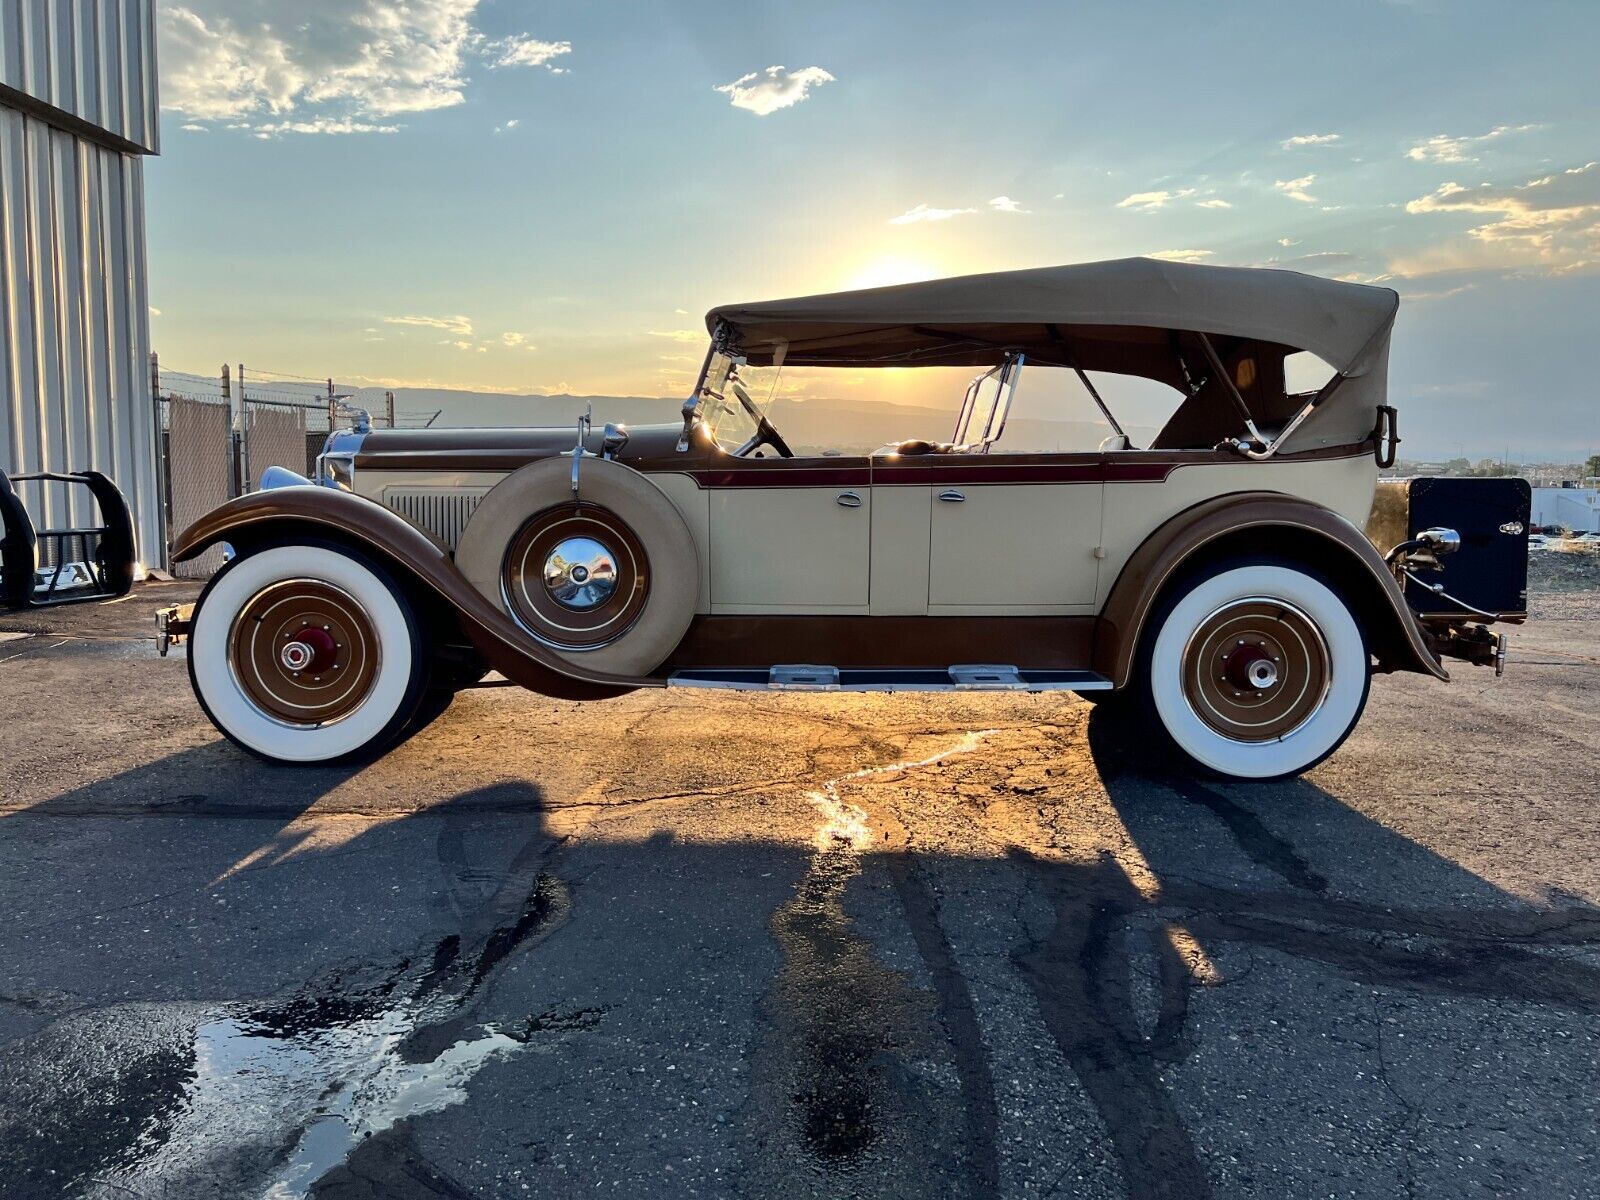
[(720, 410)]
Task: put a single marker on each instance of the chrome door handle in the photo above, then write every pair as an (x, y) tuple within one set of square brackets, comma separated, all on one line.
[(848, 499), (951, 496)]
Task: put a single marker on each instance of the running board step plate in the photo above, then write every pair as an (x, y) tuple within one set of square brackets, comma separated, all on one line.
[(965, 677)]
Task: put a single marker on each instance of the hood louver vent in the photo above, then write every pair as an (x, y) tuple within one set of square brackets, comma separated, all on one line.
[(443, 512)]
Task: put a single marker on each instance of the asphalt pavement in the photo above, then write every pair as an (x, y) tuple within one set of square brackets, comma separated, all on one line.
[(696, 944)]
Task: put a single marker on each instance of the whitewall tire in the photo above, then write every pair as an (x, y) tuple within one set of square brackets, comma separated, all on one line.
[(1257, 671), (306, 654)]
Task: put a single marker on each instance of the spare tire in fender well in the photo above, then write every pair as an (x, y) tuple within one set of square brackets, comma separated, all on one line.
[(1260, 523), (642, 539)]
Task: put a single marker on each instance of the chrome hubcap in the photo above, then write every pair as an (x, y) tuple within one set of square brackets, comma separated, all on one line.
[(1262, 674), (296, 656), (580, 573)]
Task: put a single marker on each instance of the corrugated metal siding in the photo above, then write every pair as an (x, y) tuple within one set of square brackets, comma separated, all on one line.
[(74, 387), (93, 59)]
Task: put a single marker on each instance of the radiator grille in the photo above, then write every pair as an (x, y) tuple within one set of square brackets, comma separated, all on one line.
[(443, 512)]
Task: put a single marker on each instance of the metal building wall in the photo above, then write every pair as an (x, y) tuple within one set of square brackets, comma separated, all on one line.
[(91, 59), (77, 111)]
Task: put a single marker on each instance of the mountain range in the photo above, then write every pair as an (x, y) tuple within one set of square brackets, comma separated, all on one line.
[(809, 426)]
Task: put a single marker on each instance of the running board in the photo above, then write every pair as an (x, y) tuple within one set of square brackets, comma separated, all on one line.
[(965, 677)]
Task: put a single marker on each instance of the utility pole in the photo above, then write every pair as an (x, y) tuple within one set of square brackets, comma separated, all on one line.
[(227, 385), (333, 409), (389, 397)]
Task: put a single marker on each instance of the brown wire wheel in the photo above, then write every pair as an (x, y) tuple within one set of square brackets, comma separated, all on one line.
[(1256, 670), (303, 652), (576, 576)]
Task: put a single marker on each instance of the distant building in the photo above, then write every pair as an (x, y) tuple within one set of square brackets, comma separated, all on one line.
[(78, 113), (1574, 508)]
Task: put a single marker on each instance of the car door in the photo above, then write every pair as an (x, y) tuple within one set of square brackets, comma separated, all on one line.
[(1014, 534), (791, 535)]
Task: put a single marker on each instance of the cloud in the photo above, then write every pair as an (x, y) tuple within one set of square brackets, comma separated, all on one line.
[(1288, 241), (1320, 258), (1188, 256), (459, 325), (923, 212), (330, 125), (1150, 201), (1310, 139), (1443, 293), (340, 66), (1214, 202), (509, 125), (520, 50), (680, 335), (514, 339), (154, 311), (765, 92), (1442, 148), (1551, 222), (1006, 204), (1295, 189)]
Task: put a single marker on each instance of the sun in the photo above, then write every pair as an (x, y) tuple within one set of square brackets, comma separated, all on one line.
[(883, 272)]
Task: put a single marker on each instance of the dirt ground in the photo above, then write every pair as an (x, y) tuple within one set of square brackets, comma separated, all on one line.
[(702, 944)]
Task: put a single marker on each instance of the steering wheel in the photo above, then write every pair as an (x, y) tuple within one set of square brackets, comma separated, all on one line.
[(765, 434)]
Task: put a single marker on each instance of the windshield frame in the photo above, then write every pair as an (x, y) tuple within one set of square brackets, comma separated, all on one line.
[(719, 375)]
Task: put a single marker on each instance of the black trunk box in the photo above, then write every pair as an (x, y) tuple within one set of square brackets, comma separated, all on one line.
[(1490, 571)]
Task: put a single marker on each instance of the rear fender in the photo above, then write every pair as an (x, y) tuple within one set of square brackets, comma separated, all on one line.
[(1262, 522), (419, 560)]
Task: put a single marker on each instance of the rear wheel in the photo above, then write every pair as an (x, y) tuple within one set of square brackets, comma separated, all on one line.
[(1257, 670), (307, 654)]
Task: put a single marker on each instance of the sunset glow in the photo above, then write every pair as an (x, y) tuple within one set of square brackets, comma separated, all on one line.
[(545, 200)]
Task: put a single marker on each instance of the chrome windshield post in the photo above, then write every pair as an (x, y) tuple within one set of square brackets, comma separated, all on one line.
[(691, 406)]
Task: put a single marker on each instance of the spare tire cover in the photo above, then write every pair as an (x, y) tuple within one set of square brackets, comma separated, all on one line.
[(609, 578)]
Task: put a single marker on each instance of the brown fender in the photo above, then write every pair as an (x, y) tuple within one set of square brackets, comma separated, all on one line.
[(347, 517), (1272, 523)]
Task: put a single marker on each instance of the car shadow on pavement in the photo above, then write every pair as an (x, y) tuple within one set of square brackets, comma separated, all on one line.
[(863, 975), (1180, 917)]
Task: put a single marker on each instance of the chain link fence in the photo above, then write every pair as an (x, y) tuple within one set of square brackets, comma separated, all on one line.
[(220, 434), (198, 449)]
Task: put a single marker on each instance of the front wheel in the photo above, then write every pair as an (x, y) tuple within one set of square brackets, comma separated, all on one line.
[(307, 654), (1256, 671)]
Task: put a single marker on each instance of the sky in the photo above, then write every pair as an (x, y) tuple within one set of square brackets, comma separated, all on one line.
[(506, 195)]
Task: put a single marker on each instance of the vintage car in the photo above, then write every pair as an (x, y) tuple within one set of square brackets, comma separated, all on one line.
[(1218, 583)]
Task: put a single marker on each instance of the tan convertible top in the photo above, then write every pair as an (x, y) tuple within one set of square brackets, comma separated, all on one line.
[(1345, 324), (1134, 316)]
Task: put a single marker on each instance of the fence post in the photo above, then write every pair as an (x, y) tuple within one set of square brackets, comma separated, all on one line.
[(241, 466), (159, 449), (389, 396)]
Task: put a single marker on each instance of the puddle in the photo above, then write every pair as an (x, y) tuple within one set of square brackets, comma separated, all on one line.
[(292, 1077), (263, 1100)]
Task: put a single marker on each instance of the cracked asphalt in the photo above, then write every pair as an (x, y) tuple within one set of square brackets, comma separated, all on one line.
[(703, 944)]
